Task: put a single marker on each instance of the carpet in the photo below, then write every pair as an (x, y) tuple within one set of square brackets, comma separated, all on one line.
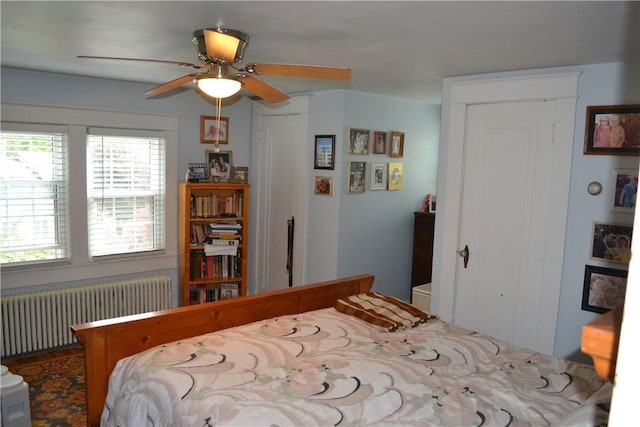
[(56, 387)]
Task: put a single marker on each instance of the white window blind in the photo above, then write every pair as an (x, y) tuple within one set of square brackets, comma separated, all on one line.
[(33, 194), (126, 191)]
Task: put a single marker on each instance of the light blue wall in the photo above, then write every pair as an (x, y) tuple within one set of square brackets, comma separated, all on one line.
[(376, 227), (602, 84)]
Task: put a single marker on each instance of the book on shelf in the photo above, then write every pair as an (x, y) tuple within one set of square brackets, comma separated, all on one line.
[(221, 242), (228, 290), (200, 295), (203, 266)]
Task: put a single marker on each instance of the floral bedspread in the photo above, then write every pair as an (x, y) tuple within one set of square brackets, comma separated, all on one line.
[(325, 368)]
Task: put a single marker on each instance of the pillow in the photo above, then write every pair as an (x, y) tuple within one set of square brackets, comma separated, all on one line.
[(387, 312)]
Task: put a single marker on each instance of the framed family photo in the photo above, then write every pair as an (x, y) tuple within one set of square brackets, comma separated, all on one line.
[(626, 187), (357, 178), (212, 131), (613, 130), (611, 242), (220, 164), (604, 289), (358, 141), (325, 152)]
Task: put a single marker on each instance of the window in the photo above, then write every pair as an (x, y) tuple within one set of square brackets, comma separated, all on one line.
[(33, 194), (125, 192), (92, 200)]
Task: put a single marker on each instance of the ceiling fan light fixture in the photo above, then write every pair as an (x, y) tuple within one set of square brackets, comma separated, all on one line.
[(218, 87), (223, 44)]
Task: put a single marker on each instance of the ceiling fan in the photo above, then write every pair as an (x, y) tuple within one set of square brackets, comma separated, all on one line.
[(221, 76)]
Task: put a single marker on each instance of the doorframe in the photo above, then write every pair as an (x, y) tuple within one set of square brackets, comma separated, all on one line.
[(458, 95), (299, 106)]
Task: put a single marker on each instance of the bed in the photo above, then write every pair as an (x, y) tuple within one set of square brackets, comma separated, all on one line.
[(306, 356)]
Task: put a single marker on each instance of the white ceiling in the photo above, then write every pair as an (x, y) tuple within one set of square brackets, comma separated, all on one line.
[(400, 49)]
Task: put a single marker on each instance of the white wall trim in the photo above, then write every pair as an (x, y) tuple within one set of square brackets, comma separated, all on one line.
[(542, 86)]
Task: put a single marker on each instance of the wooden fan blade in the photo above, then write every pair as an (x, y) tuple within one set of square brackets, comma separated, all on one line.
[(173, 84), (158, 61), (264, 90), (305, 71)]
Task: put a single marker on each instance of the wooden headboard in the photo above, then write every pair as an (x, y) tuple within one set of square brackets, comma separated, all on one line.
[(107, 341)]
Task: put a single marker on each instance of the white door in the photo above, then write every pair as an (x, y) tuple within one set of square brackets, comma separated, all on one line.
[(503, 191), (505, 209), (281, 157)]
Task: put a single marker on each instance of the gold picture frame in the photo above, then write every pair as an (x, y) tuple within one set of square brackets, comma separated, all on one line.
[(220, 165), (395, 176)]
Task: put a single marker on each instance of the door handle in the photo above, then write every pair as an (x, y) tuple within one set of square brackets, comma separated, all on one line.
[(464, 253)]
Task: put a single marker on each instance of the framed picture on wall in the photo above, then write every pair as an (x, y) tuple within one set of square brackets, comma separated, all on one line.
[(379, 142), (604, 289), (611, 242), (378, 176), (323, 185), (624, 193), (397, 144), (325, 152), (358, 141), (613, 130), (357, 177), (214, 132), (395, 176)]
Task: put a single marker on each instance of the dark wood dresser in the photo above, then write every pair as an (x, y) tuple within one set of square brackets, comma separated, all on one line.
[(423, 229)]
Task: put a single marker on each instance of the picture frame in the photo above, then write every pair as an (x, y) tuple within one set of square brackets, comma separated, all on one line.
[(357, 177), (604, 289), (209, 128), (395, 176), (611, 242), (378, 176), (612, 130), (216, 172), (325, 152), (358, 141), (323, 186), (397, 144), (239, 174), (625, 190), (379, 142), (199, 172)]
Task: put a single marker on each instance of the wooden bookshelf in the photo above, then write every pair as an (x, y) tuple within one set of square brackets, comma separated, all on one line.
[(213, 241)]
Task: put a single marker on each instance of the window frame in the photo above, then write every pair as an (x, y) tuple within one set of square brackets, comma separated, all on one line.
[(61, 213), (80, 267), (127, 133)]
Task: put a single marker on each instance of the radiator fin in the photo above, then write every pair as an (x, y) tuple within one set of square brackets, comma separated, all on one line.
[(41, 320)]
